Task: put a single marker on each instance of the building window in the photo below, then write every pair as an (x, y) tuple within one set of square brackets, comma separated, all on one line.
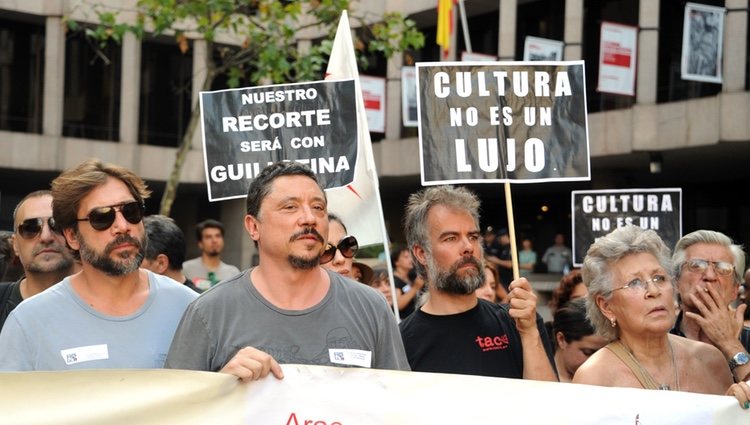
[(21, 76), (483, 31), (594, 12), (92, 89), (540, 18), (166, 87), (671, 87)]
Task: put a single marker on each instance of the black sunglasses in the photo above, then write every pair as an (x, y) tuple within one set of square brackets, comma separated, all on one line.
[(102, 218), (348, 247), (32, 227)]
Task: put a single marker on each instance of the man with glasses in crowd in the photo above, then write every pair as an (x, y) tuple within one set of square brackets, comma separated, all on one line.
[(708, 269), (288, 309), (112, 314), (40, 246)]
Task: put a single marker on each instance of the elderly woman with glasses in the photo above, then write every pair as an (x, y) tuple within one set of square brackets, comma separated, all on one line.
[(630, 303)]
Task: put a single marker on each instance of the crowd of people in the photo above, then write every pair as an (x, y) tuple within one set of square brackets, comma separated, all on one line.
[(102, 285)]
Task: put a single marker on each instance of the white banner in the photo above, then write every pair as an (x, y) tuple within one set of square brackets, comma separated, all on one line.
[(345, 396), (617, 58)]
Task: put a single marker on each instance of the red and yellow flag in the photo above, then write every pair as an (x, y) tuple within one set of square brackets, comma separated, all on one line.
[(444, 25)]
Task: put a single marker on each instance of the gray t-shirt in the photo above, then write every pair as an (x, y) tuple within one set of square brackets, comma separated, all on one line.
[(57, 330), (195, 270), (351, 321)]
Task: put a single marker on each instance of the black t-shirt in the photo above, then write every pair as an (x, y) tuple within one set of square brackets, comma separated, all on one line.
[(10, 297), (481, 341), (505, 273)]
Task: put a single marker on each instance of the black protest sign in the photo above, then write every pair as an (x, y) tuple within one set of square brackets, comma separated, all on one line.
[(245, 130), (598, 212), (500, 121)]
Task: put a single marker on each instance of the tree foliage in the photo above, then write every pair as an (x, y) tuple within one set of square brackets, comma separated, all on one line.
[(264, 47)]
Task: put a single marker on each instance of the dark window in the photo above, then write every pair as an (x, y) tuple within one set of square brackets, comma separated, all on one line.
[(539, 18), (166, 86), (92, 89), (671, 87), (594, 12), (747, 51), (483, 30), (21, 76)]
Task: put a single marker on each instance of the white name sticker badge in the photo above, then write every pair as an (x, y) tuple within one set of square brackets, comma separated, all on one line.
[(350, 357), (88, 353)]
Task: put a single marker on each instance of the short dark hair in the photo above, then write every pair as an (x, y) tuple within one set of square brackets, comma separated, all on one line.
[(164, 237), (208, 224), (261, 185), (570, 319)]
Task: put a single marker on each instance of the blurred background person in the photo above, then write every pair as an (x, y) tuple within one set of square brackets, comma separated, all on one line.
[(631, 304), (558, 257), (361, 272), (11, 269), (526, 258), (407, 290), (491, 290), (382, 284), (571, 287), (574, 338), (165, 250), (208, 269)]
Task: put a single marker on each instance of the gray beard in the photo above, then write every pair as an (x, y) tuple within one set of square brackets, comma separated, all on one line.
[(451, 282)]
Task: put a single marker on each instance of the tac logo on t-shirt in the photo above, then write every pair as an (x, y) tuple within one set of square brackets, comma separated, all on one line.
[(489, 343)]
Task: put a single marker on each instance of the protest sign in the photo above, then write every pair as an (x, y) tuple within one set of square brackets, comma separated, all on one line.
[(617, 58), (486, 122), (319, 395), (598, 212), (246, 129)]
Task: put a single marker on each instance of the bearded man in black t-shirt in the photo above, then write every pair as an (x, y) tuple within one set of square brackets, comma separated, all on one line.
[(454, 331)]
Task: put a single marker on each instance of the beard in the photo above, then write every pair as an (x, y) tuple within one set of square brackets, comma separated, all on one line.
[(454, 283), (125, 264), (303, 263)]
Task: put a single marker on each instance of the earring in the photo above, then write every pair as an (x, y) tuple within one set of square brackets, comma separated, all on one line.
[(613, 322)]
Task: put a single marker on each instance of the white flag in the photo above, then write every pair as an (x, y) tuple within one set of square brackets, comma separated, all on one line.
[(358, 204)]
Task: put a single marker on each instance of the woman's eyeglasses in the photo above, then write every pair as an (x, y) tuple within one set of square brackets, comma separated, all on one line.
[(698, 265), (32, 227), (640, 285), (348, 247), (102, 218)]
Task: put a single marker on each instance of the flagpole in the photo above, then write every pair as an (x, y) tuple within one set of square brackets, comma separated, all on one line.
[(508, 197), (464, 25)]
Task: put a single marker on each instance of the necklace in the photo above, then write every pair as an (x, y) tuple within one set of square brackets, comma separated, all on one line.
[(664, 386)]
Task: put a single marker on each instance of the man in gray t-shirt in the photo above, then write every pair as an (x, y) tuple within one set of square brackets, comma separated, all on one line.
[(287, 309)]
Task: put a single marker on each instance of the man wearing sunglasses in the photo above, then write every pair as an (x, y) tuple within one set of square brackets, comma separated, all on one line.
[(111, 314), (41, 248), (288, 309), (708, 267)]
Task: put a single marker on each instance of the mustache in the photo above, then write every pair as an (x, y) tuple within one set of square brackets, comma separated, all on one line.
[(307, 231), (120, 239), (464, 261)]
